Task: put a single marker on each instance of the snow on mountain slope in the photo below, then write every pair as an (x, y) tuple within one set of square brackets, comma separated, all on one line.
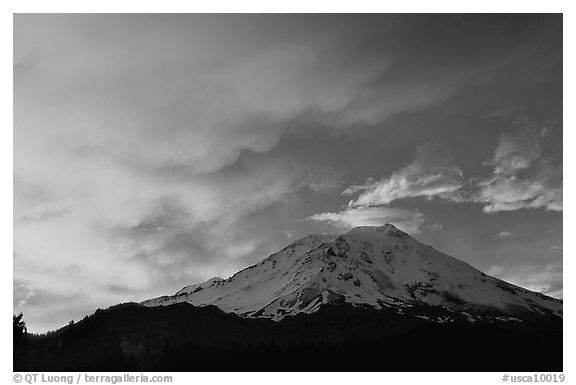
[(381, 267)]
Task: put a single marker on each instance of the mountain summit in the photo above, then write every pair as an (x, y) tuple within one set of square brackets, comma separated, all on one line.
[(375, 267)]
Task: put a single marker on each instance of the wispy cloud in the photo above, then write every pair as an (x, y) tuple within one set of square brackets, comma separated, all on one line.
[(408, 220), (504, 235), (430, 174), (516, 150), (520, 178), (542, 189)]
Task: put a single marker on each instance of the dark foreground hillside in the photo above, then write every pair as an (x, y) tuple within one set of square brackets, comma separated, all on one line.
[(182, 337)]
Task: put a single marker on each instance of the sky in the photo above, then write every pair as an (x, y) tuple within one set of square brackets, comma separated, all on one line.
[(156, 151)]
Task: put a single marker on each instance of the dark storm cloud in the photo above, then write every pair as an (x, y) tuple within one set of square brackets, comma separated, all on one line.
[(158, 150)]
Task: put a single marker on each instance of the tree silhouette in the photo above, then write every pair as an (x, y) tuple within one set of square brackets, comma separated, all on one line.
[(20, 334), (19, 326)]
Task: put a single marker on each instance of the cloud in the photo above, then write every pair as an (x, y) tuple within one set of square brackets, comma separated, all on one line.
[(504, 235), (111, 230), (520, 178), (367, 185), (215, 89), (430, 174), (131, 124), (408, 220), (546, 279), (516, 150), (542, 189)]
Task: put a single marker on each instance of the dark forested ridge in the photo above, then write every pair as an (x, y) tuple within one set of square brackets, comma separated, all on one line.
[(181, 337)]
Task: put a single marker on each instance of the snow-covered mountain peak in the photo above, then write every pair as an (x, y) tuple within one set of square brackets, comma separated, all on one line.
[(373, 229), (376, 266)]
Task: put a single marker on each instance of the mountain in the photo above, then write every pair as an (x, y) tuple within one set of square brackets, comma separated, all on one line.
[(372, 299), (377, 267)]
